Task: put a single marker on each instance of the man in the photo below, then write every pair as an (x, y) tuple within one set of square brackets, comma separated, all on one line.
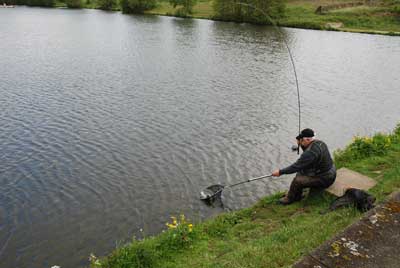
[(314, 168)]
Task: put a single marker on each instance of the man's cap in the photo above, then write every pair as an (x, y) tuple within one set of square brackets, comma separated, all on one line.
[(305, 133)]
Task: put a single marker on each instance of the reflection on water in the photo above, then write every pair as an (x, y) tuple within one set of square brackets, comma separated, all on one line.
[(112, 123)]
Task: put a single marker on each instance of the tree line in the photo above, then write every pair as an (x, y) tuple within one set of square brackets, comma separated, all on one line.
[(101, 4), (254, 11)]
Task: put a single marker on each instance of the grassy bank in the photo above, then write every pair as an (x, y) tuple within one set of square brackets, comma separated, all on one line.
[(381, 18), (267, 234)]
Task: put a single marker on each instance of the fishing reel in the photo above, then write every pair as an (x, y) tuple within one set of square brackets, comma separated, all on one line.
[(296, 148)]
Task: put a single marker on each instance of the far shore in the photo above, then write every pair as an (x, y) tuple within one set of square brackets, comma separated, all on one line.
[(376, 19), (380, 18)]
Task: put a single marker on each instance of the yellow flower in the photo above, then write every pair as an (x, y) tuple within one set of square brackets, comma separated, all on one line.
[(367, 139), (171, 226), (174, 221), (190, 227)]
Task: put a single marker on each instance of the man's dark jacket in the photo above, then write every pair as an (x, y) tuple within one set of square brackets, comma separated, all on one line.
[(315, 161)]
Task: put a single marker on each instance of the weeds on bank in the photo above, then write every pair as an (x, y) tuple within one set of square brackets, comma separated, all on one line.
[(150, 252), (363, 147), (180, 234)]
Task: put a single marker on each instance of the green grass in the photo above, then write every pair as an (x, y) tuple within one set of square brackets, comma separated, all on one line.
[(380, 19), (203, 9), (267, 234), (359, 19), (301, 14)]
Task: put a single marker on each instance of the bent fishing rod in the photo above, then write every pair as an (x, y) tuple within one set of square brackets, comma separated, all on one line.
[(278, 30), (214, 191)]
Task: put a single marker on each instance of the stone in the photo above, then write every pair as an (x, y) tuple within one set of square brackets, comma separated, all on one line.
[(347, 178)]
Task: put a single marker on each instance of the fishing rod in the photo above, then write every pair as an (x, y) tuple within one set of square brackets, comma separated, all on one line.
[(213, 192), (278, 30)]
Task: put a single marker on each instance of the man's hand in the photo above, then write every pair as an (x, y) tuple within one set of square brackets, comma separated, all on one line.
[(276, 173)]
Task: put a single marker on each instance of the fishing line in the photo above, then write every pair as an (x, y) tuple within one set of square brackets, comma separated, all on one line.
[(290, 55), (213, 192)]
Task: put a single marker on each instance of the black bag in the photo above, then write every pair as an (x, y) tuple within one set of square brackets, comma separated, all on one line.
[(362, 200)]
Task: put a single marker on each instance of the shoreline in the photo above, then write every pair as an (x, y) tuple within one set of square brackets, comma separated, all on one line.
[(301, 23), (329, 29), (301, 14), (266, 234)]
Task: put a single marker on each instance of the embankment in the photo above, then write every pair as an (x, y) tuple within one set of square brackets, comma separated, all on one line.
[(267, 234)]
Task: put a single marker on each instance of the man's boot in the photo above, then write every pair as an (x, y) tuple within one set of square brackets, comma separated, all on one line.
[(285, 201)]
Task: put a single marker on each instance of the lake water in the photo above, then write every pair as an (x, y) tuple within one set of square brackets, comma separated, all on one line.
[(111, 123)]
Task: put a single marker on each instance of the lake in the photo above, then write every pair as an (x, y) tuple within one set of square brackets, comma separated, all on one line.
[(112, 123)]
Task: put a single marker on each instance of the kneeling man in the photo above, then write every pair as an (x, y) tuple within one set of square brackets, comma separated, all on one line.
[(314, 168)]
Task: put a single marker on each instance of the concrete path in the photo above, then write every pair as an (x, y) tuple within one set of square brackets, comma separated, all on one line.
[(347, 178), (372, 242)]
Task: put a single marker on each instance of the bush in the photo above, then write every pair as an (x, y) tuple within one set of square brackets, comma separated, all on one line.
[(106, 4), (363, 147), (395, 9), (41, 3), (74, 3), (255, 11), (137, 6), (180, 234), (396, 134), (186, 7), (150, 252)]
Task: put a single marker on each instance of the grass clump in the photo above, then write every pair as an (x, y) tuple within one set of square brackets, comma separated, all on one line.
[(152, 251), (267, 234), (380, 18), (379, 144)]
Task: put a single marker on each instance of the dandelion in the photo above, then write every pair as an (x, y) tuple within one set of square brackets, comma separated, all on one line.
[(190, 227), (172, 226), (366, 139), (174, 221)]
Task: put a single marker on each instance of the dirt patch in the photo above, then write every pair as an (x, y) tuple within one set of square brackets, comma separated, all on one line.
[(325, 8), (393, 206), (386, 14), (334, 25)]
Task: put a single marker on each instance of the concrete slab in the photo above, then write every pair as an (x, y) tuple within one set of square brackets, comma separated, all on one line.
[(347, 178), (372, 242)]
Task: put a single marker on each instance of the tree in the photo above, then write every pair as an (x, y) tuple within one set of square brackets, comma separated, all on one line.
[(137, 6), (256, 11), (42, 3), (106, 4), (186, 6), (74, 3)]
